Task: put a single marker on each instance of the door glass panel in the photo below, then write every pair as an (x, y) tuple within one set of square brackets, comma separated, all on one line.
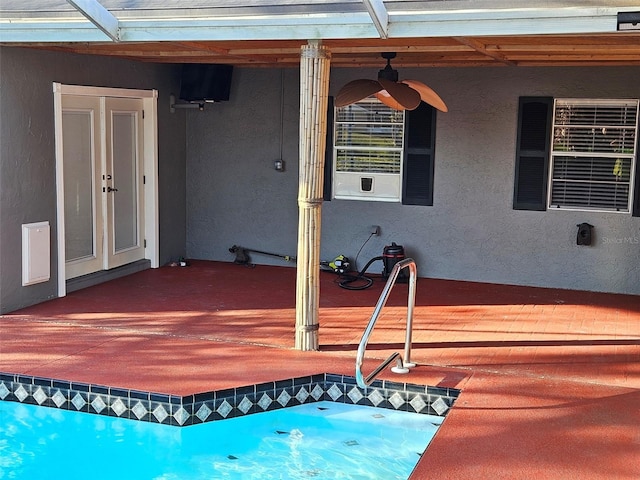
[(78, 184), (125, 177)]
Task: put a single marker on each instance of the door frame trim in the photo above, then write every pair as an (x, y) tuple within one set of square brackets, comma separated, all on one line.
[(150, 168)]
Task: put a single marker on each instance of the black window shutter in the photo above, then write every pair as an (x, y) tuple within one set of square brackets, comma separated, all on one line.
[(419, 149), (636, 182), (328, 153), (532, 153)]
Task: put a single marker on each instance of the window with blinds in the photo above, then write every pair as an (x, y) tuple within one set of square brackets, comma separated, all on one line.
[(593, 154), (368, 151)]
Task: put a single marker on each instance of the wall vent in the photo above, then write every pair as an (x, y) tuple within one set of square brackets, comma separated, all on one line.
[(36, 253)]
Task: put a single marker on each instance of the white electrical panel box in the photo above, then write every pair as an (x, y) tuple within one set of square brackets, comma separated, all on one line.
[(36, 253)]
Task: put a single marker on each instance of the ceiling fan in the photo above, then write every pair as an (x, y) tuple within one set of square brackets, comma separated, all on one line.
[(403, 95)]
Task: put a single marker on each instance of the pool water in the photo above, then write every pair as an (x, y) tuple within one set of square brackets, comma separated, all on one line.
[(322, 440)]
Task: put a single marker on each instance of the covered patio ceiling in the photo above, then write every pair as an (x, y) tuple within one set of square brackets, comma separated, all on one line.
[(270, 33)]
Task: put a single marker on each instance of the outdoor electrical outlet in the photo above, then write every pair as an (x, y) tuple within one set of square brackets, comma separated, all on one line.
[(375, 230)]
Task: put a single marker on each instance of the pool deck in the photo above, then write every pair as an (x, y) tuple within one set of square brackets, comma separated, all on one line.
[(550, 379)]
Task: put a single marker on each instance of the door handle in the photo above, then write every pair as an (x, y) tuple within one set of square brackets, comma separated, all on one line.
[(110, 189)]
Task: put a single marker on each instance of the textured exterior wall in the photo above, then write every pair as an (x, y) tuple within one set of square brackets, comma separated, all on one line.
[(218, 187), (234, 195), (27, 153), (470, 233)]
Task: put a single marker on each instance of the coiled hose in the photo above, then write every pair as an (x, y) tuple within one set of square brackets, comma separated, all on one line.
[(347, 280)]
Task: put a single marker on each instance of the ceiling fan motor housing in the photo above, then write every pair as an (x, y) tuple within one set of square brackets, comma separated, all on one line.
[(388, 73)]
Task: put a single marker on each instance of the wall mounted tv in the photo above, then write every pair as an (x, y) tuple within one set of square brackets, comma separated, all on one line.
[(205, 82)]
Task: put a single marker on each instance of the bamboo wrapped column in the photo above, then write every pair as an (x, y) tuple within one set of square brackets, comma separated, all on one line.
[(315, 61)]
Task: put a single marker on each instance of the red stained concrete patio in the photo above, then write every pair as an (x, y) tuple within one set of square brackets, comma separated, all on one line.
[(550, 379)]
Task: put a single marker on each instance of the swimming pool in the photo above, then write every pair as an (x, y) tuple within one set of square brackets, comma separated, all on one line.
[(319, 440), (142, 427)]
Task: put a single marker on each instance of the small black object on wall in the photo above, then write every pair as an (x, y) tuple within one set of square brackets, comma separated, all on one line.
[(584, 234)]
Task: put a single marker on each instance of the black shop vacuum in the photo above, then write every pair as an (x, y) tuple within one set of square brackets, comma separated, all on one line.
[(391, 255)]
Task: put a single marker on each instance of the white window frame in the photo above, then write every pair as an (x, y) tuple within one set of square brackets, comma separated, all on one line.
[(599, 155), (349, 184)]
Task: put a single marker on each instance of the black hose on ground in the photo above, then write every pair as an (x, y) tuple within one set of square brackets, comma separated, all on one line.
[(347, 280)]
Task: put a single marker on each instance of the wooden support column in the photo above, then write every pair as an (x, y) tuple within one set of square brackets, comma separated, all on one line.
[(315, 62)]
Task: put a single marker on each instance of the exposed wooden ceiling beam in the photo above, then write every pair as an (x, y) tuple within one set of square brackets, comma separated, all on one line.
[(480, 47), (568, 50), (509, 50), (211, 48)]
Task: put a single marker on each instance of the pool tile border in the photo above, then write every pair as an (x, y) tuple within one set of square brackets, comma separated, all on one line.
[(222, 404)]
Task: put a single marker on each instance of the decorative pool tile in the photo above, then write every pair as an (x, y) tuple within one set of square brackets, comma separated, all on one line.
[(334, 392), (98, 404), (79, 401), (245, 405), (302, 395), (396, 400), (140, 411), (355, 395), (59, 399), (265, 402), (284, 398), (118, 407), (225, 409), (181, 416), (4, 391), (21, 393), (418, 403), (203, 412), (439, 406), (39, 396), (219, 405), (317, 392)]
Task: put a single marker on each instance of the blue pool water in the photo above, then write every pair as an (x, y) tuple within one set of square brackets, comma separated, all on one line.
[(323, 440)]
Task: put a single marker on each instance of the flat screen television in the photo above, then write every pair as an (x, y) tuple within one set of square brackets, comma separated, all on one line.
[(203, 82)]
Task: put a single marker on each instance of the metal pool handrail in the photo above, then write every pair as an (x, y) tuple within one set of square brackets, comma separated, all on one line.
[(401, 367)]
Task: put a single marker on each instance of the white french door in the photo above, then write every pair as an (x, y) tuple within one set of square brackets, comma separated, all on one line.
[(123, 182), (82, 167), (102, 158)]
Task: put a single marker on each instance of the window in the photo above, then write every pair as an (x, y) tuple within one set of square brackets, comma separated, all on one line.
[(577, 154), (368, 151), (380, 154), (593, 154)]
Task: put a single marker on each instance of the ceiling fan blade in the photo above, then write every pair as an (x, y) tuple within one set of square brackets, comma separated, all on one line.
[(427, 94), (355, 91), (388, 100), (403, 94)]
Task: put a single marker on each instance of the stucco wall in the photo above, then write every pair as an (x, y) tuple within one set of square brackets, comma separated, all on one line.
[(218, 186), (234, 195), (27, 153), (470, 233)]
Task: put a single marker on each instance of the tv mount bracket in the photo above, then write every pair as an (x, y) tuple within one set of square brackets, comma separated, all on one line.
[(173, 105)]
